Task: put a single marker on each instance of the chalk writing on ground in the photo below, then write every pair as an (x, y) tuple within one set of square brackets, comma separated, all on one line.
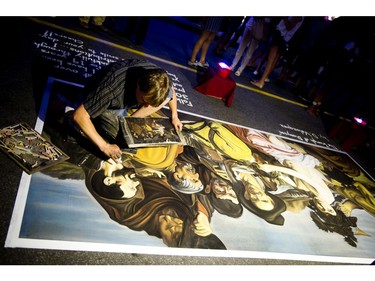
[(306, 137), (72, 55)]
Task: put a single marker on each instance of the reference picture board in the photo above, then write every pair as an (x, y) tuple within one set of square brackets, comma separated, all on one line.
[(150, 131), (230, 191), (29, 149)]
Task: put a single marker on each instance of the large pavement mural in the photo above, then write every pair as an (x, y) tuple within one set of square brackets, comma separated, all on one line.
[(230, 191)]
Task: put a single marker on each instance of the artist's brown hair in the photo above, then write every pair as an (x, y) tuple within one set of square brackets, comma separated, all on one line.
[(155, 84)]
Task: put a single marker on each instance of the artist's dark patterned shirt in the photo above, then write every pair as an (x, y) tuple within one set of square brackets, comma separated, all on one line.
[(114, 87)]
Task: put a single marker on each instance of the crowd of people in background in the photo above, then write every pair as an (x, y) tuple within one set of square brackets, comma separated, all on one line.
[(320, 59), (326, 62)]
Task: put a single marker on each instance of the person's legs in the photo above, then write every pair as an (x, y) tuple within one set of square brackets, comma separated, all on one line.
[(205, 46), (98, 21), (262, 61), (223, 41), (246, 37), (198, 45), (273, 56), (319, 98), (250, 51), (131, 24), (84, 21), (143, 24), (257, 56)]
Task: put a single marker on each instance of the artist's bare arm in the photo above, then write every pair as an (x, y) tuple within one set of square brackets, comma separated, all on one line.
[(173, 107), (83, 120)]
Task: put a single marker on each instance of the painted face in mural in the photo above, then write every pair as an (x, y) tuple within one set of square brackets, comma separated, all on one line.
[(186, 172), (260, 199), (127, 183), (171, 228), (222, 190), (257, 195)]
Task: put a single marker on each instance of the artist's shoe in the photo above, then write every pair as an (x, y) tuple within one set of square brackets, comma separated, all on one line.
[(193, 64), (313, 111), (203, 65), (68, 109), (84, 24), (257, 84), (100, 27)]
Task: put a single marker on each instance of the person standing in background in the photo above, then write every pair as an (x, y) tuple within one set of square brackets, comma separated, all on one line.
[(231, 25), (251, 37), (97, 22), (211, 27), (283, 33), (136, 29)]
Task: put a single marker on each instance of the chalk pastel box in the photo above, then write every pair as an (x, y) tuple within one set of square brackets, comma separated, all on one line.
[(29, 149)]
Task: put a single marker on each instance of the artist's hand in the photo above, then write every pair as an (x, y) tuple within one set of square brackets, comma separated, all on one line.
[(112, 151), (177, 123)]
